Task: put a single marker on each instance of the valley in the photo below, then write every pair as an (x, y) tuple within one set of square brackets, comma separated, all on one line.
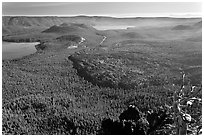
[(81, 75)]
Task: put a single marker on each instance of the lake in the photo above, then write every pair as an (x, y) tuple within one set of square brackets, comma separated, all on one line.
[(11, 50)]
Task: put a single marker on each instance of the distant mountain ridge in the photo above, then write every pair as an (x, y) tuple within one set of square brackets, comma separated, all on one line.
[(54, 20), (19, 24)]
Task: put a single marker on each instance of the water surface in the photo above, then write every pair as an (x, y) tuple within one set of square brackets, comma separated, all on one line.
[(11, 50)]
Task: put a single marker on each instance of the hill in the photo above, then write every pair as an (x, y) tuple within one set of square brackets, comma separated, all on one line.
[(73, 38), (197, 25), (69, 28), (120, 70), (182, 27)]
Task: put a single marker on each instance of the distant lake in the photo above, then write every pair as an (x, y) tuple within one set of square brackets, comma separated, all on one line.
[(11, 50), (108, 27)]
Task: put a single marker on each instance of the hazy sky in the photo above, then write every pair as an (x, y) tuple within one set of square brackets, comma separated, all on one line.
[(119, 9)]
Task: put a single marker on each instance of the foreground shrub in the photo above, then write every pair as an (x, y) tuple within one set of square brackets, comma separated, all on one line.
[(134, 122)]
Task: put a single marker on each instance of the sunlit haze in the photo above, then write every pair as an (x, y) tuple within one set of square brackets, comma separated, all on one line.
[(113, 9)]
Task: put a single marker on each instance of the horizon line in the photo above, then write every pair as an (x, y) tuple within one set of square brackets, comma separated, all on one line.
[(169, 16)]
